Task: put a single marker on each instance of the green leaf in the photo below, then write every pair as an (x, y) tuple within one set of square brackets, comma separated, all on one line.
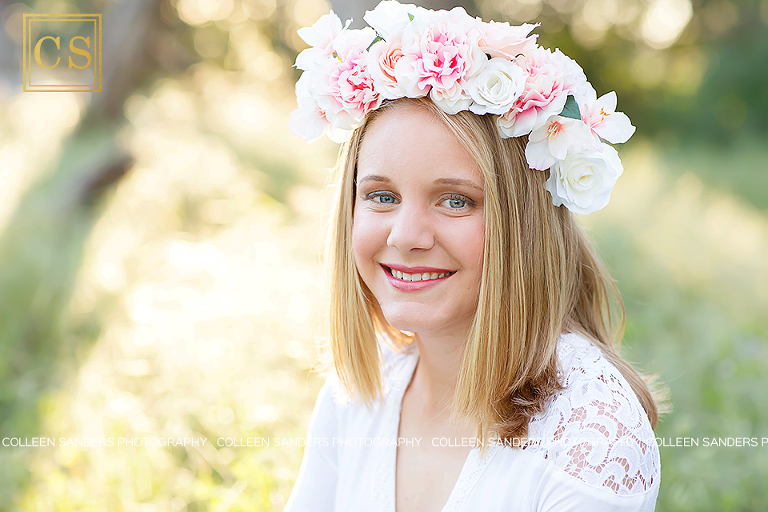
[(376, 40), (410, 16), (571, 108)]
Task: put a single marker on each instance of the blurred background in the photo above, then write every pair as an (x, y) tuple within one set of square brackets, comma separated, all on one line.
[(160, 245)]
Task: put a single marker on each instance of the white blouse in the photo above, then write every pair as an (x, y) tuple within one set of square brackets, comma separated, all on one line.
[(592, 449)]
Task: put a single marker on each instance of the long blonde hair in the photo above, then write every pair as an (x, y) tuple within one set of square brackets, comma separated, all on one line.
[(541, 277)]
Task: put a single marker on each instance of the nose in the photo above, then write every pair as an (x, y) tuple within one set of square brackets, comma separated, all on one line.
[(411, 230)]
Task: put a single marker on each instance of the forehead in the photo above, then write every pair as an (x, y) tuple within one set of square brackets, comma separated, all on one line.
[(410, 137)]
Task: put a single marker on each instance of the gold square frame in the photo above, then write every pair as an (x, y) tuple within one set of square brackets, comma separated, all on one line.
[(27, 54)]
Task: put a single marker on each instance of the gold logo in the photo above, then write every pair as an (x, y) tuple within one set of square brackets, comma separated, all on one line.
[(69, 60)]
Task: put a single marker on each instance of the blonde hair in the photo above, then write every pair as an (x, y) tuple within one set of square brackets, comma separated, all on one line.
[(541, 277)]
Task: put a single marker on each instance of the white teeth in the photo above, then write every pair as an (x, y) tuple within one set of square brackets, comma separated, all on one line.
[(426, 276)]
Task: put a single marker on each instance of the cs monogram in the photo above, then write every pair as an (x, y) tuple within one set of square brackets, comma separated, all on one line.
[(79, 44)]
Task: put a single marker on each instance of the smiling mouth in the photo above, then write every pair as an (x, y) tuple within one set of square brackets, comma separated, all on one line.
[(424, 276)]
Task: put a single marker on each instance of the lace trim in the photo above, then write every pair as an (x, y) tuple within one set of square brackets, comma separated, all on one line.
[(398, 369), (470, 474), (595, 429)]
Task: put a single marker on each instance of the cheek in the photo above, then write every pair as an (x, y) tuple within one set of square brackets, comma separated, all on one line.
[(471, 244), (364, 240)]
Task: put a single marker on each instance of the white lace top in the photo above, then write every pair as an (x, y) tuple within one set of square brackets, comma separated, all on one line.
[(592, 449)]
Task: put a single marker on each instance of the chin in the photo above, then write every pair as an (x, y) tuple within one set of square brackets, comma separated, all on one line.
[(409, 321), (406, 324), (414, 321)]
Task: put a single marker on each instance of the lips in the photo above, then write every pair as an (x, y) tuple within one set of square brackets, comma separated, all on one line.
[(403, 274), (418, 270)]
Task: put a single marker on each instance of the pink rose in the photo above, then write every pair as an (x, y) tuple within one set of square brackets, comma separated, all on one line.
[(551, 77), (505, 40), (382, 59)]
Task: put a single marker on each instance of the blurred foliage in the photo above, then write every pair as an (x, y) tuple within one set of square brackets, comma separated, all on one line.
[(182, 300), (694, 279)]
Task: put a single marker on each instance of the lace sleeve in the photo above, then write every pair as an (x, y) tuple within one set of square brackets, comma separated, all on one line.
[(595, 429)]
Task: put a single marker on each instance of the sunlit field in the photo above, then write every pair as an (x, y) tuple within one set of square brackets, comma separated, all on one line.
[(184, 301)]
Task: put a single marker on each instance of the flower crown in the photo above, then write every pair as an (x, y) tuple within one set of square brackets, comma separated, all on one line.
[(463, 63)]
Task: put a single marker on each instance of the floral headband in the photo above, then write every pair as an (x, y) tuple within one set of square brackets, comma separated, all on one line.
[(463, 63)]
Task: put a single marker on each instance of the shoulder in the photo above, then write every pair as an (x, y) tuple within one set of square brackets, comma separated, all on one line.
[(595, 429)]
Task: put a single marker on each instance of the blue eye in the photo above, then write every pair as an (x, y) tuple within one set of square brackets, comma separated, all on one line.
[(385, 198), (457, 202), (381, 197)]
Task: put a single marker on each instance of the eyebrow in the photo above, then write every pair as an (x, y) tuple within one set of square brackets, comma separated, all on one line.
[(439, 181)]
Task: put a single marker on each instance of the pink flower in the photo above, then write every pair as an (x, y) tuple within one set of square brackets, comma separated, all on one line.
[(505, 40), (551, 77), (345, 90), (555, 139), (337, 91), (440, 52), (600, 114)]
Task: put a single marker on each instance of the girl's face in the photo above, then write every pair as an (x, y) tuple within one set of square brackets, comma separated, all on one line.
[(418, 225)]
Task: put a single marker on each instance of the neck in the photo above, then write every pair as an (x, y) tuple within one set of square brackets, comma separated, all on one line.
[(434, 380)]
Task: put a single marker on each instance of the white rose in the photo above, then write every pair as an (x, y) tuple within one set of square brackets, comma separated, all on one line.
[(583, 181), (496, 86)]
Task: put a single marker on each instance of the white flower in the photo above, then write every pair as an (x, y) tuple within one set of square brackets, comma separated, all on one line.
[(600, 114), (389, 18), (308, 121), (320, 37), (584, 180), (496, 86), (556, 138)]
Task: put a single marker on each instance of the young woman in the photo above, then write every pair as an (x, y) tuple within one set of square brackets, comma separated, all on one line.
[(471, 334)]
